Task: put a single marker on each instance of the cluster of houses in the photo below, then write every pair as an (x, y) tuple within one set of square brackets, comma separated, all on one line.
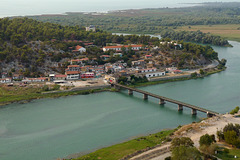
[(78, 68)]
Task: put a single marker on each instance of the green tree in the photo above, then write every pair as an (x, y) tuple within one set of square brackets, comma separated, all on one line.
[(206, 140), (183, 149)]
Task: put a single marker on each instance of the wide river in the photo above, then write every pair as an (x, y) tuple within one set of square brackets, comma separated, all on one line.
[(51, 128)]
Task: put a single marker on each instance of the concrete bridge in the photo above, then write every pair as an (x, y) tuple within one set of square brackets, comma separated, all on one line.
[(163, 99)]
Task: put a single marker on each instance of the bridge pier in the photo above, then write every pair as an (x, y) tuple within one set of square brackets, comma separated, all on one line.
[(145, 96), (209, 115), (194, 112), (130, 92), (180, 107), (161, 101)]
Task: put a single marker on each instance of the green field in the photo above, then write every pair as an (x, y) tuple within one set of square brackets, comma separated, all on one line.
[(228, 31), (118, 151), (230, 155), (18, 94)]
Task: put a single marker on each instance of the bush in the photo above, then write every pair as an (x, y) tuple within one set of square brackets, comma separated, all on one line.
[(206, 140), (235, 110), (45, 88)]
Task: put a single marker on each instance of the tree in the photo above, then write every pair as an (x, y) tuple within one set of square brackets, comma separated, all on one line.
[(206, 140), (201, 72), (183, 149), (230, 137)]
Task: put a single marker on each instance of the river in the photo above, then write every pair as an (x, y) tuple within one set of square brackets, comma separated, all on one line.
[(52, 128)]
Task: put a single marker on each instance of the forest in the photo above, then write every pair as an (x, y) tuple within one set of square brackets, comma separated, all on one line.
[(158, 20)]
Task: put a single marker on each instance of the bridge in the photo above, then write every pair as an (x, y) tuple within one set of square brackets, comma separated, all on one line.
[(163, 99)]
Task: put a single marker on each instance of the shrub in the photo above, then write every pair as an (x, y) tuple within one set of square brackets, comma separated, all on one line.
[(235, 110), (206, 140)]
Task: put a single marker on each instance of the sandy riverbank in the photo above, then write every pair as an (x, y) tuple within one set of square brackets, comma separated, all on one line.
[(194, 131)]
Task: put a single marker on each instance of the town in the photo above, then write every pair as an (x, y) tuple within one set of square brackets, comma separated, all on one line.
[(146, 63)]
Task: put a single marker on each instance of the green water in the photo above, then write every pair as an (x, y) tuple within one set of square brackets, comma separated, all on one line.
[(51, 128)]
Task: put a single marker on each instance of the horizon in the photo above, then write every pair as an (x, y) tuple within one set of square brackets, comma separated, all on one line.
[(28, 7)]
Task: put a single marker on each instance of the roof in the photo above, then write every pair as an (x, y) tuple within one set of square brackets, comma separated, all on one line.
[(105, 56), (73, 66), (78, 47), (84, 59), (61, 76), (72, 72), (126, 46)]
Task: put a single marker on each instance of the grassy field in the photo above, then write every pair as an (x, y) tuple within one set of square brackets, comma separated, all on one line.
[(118, 151), (229, 31), (230, 155), (25, 94)]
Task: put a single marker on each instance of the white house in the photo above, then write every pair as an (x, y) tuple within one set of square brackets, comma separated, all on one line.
[(155, 74), (6, 80), (119, 48), (91, 28), (79, 49), (73, 75), (147, 70)]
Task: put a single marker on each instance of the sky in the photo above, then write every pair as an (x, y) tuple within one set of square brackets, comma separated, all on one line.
[(33, 7)]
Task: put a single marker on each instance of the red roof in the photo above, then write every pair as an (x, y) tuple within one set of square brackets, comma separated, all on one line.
[(148, 55), (104, 56), (84, 59), (60, 76), (126, 46), (73, 66), (72, 72), (78, 47)]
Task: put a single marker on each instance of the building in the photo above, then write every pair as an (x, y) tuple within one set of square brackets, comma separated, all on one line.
[(6, 80), (155, 74), (88, 75), (60, 77), (91, 28), (138, 63), (148, 56), (73, 68), (119, 48), (79, 49), (40, 79), (105, 57), (147, 70), (72, 75)]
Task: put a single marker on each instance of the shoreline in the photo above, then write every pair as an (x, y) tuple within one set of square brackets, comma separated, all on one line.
[(97, 89), (193, 130)]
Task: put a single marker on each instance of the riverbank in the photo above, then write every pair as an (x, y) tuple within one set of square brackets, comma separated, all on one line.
[(179, 78), (130, 148), (31, 94), (25, 95), (152, 146)]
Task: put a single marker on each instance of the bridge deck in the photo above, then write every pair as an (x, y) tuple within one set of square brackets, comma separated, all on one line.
[(168, 99)]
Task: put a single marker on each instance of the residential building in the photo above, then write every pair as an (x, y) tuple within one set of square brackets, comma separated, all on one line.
[(60, 77), (6, 80), (88, 75), (119, 48), (155, 74), (105, 57), (91, 28), (79, 49), (72, 75)]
